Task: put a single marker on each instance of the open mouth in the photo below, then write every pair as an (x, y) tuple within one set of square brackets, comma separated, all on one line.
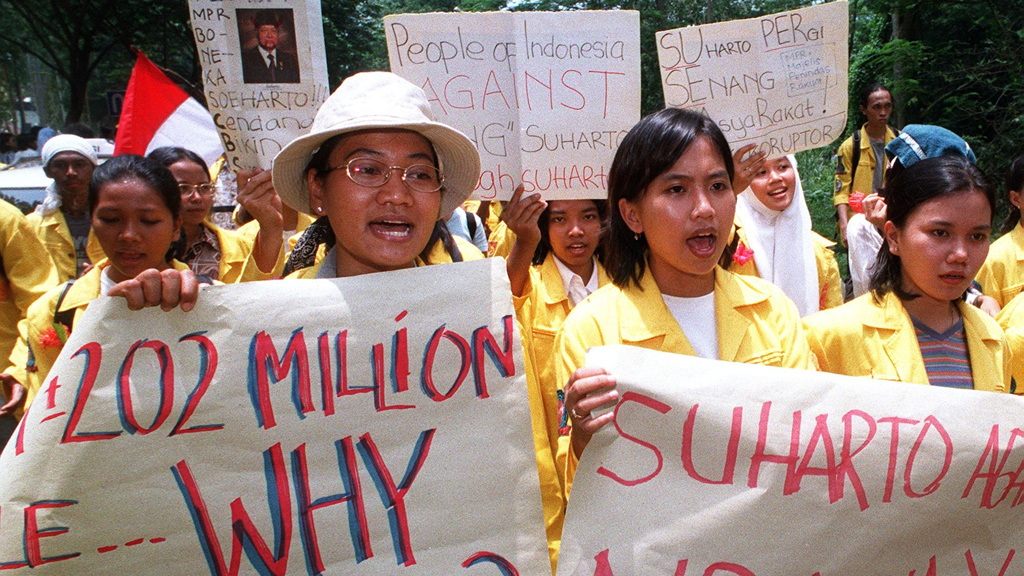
[(391, 229), (577, 249), (953, 278), (702, 244)]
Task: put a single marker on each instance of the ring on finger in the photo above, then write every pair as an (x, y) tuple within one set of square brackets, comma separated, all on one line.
[(575, 415)]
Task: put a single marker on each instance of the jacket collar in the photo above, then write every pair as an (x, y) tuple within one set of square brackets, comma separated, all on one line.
[(1017, 238), (554, 289), (898, 337), (644, 315)]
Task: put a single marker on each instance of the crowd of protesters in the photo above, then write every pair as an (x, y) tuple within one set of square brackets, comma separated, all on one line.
[(698, 249)]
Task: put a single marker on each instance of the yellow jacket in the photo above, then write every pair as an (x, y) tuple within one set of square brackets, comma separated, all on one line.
[(1002, 274), (551, 492), (250, 229), (865, 166), (757, 324), (542, 310), (28, 269), (36, 353), (55, 235), (237, 263), (877, 339), (500, 242), (1011, 320), (830, 285)]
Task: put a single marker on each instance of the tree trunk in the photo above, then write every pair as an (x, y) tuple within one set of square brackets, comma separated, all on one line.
[(902, 29)]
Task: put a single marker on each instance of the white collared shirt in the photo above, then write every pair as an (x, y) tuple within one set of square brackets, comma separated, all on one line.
[(573, 284), (267, 54)]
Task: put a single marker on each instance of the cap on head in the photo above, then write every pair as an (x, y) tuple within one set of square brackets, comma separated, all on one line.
[(921, 141), (68, 143), (380, 100)]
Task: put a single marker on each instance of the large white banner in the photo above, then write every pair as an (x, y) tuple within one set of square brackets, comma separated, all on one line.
[(713, 468), (259, 107), (545, 96), (778, 81), (373, 425)]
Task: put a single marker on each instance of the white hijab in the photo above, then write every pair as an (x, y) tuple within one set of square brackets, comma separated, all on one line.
[(783, 244)]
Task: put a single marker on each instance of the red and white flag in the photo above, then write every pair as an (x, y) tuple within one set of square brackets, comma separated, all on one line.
[(157, 113)]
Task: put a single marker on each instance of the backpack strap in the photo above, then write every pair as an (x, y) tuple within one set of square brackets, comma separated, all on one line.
[(856, 158)]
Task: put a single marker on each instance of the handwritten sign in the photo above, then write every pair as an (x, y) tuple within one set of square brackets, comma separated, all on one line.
[(545, 96), (355, 426), (777, 81), (715, 468), (264, 72)]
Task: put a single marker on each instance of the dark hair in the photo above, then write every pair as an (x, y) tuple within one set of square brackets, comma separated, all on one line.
[(921, 182), (80, 129), (167, 155), (870, 89), (544, 247), (1014, 182), (319, 165), (647, 151), (130, 167)]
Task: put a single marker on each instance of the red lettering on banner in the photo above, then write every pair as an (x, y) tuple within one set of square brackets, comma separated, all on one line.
[(730, 452), (845, 467), (894, 444), (652, 404), (929, 423), (760, 456), (819, 435)]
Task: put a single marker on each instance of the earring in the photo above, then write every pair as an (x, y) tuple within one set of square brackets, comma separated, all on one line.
[(636, 236)]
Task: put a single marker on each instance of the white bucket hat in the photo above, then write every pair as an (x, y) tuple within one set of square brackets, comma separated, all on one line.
[(371, 100)]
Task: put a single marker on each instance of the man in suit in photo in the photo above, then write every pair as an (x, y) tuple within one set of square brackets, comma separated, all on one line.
[(266, 64)]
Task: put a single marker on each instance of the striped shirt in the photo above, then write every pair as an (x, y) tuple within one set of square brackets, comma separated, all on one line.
[(946, 359)]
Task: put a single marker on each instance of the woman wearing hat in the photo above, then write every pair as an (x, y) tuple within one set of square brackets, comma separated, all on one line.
[(382, 177)]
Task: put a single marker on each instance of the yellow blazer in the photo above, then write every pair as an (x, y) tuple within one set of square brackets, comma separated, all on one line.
[(830, 285), (869, 338), (55, 235), (236, 260), (437, 255), (28, 269), (542, 309), (39, 320), (1011, 320), (1002, 274), (757, 324)]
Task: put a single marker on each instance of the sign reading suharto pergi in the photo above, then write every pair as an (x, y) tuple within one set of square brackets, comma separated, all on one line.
[(373, 425), (545, 96), (777, 81)]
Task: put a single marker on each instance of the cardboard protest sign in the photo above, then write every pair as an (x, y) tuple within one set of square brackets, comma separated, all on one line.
[(545, 96), (714, 468), (360, 426), (778, 81), (264, 72)]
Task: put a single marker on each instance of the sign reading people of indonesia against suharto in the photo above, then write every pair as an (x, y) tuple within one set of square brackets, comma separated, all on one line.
[(727, 469), (366, 426), (545, 96), (264, 72), (777, 81)]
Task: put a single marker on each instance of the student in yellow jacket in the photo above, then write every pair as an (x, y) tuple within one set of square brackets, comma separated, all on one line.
[(672, 209), (914, 325), (860, 164), (775, 240), (1002, 275), (1011, 320), (134, 205), (382, 175), (553, 265), (211, 251), (61, 221)]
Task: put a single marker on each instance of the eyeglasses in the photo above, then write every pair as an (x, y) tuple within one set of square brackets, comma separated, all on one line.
[(203, 189), (374, 174)]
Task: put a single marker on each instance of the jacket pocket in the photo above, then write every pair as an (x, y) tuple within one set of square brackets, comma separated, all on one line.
[(768, 358)]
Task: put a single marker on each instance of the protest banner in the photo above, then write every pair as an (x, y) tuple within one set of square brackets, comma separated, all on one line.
[(715, 468), (545, 96), (778, 81), (257, 107), (372, 425)]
